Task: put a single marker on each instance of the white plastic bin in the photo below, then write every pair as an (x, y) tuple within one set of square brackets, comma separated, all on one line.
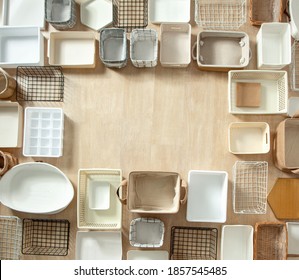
[(237, 242), (294, 8), (273, 45), (207, 196), (293, 239)]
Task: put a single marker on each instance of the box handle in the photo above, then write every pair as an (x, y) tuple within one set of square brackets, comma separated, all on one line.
[(184, 186), (194, 55), (123, 184)]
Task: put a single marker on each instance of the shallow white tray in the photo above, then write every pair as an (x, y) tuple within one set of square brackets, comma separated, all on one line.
[(147, 255), (98, 245), (99, 195), (207, 196), (293, 238)]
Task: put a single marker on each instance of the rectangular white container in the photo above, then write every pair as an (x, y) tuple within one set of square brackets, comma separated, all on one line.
[(21, 46), (237, 242), (43, 132), (207, 196), (273, 45), (293, 239), (72, 49)]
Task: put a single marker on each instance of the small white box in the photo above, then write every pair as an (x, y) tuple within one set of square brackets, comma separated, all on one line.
[(99, 195)]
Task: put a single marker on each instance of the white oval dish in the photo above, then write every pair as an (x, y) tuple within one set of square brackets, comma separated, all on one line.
[(36, 187)]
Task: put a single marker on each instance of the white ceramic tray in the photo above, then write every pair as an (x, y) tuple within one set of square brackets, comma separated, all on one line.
[(98, 245), (147, 255), (37, 188), (207, 196)]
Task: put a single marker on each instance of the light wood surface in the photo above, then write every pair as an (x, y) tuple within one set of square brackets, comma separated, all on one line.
[(159, 119)]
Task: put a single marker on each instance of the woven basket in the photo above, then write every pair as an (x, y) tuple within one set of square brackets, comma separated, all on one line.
[(270, 241)]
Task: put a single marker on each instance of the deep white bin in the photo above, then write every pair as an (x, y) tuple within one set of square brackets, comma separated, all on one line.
[(273, 45)]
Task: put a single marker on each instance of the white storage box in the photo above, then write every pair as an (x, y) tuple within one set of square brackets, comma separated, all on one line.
[(293, 239), (43, 132), (273, 45), (207, 196), (249, 138), (175, 45), (106, 213), (21, 46), (169, 11), (11, 124), (293, 9), (273, 91), (147, 255), (237, 242), (72, 49)]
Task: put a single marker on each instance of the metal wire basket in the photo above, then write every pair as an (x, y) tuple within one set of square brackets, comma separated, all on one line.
[(294, 75), (40, 83), (191, 243), (130, 14), (220, 14), (10, 237), (250, 187), (45, 237)]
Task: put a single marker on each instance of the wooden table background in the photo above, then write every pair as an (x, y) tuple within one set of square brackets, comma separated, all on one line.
[(159, 119)]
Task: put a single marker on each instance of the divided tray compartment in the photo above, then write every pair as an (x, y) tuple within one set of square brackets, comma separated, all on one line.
[(43, 132), (45, 237), (130, 14), (11, 237), (40, 83), (270, 241), (250, 180), (294, 67), (98, 219), (220, 14), (193, 243), (273, 91)]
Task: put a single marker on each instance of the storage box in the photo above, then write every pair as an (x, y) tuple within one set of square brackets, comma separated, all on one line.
[(11, 124), (293, 10), (293, 239), (273, 91), (175, 45), (237, 242), (207, 196), (249, 138), (269, 35), (222, 50), (64, 47), (21, 46)]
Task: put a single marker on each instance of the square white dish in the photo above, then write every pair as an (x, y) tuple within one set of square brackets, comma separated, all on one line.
[(99, 195)]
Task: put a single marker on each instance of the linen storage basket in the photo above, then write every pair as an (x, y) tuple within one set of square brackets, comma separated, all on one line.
[(61, 14), (294, 69), (113, 47), (221, 50), (98, 219), (270, 241), (7, 84), (153, 192), (272, 97), (220, 14), (269, 35), (144, 47)]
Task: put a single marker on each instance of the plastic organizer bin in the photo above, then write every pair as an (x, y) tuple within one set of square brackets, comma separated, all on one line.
[(270, 241), (293, 10), (193, 243), (294, 69), (98, 245), (250, 180), (64, 47), (146, 233), (40, 83), (207, 196), (102, 219), (45, 237), (221, 50), (130, 14), (153, 192), (11, 124), (257, 92), (169, 11), (21, 46), (147, 255), (144, 47), (11, 237), (237, 242), (293, 239), (175, 44), (7, 84), (113, 47), (61, 14), (249, 138), (220, 14), (269, 35), (43, 132)]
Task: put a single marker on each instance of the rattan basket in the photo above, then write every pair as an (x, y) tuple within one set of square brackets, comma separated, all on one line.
[(270, 241)]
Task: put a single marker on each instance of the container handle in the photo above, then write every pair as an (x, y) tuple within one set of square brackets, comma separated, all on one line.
[(250, 54), (184, 186), (194, 56), (295, 171), (123, 184), (296, 115)]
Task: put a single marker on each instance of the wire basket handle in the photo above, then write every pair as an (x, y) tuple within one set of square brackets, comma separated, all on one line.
[(123, 184)]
